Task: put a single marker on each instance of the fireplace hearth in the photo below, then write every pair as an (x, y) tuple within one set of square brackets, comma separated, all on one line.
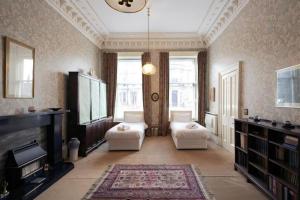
[(25, 168)]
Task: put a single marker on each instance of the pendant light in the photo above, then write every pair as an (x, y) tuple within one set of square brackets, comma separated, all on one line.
[(149, 68), (127, 6)]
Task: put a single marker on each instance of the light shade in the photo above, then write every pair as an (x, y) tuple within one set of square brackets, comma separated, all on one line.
[(149, 69), (127, 6)]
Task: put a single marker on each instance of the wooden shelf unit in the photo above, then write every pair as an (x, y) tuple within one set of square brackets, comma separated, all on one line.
[(91, 132), (257, 149)]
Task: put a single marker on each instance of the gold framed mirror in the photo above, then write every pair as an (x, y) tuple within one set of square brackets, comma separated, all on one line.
[(18, 70)]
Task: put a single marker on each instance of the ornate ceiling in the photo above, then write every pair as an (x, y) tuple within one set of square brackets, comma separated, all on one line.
[(174, 25)]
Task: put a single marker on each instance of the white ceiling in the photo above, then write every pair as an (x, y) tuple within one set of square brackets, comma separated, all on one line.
[(171, 16), (173, 23)]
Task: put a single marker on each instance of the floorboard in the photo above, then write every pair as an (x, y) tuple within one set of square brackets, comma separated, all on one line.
[(216, 165)]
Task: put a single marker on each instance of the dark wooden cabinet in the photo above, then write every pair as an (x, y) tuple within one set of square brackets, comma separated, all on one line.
[(91, 135), (83, 122), (264, 157)]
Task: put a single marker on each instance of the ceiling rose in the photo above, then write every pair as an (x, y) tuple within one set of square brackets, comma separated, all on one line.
[(127, 6)]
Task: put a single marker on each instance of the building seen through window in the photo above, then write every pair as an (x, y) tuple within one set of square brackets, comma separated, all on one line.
[(129, 96), (183, 84)]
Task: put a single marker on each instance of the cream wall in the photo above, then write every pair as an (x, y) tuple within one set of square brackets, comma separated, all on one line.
[(265, 37), (59, 48)]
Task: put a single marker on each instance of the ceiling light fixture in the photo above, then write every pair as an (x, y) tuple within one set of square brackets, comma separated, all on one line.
[(127, 6), (149, 68)]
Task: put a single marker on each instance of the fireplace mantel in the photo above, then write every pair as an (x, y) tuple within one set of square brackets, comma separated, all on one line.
[(52, 121), (13, 123), (30, 114)]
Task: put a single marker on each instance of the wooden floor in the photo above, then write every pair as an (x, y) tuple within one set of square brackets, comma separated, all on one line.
[(216, 165)]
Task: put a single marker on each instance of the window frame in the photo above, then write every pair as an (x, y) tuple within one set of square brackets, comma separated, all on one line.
[(195, 84), (128, 95)]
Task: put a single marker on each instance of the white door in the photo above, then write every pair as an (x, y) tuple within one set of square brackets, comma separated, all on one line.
[(229, 105)]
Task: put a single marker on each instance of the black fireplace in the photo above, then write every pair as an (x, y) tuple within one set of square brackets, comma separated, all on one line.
[(30, 169), (25, 165)]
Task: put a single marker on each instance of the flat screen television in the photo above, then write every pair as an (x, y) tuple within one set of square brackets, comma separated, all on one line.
[(288, 87)]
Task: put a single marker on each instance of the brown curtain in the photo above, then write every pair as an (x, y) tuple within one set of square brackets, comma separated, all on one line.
[(164, 93), (202, 62), (110, 64), (146, 57)]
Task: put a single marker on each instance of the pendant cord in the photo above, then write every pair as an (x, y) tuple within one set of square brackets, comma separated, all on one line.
[(148, 29)]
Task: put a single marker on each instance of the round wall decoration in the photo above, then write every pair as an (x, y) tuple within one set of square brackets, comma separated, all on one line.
[(155, 96)]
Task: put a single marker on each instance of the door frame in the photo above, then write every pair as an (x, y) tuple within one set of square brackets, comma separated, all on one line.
[(235, 67)]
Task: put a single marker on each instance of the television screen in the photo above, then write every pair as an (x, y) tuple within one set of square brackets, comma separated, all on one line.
[(288, 87)]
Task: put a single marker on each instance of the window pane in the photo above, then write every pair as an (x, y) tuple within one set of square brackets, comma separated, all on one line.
[(129, 95), (182, 70), (174, 98), (183, 85)]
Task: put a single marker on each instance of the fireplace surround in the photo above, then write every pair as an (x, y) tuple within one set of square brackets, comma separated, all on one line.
[(52, 121)]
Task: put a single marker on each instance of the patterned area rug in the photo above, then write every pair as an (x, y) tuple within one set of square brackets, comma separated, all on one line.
[(149, 182)]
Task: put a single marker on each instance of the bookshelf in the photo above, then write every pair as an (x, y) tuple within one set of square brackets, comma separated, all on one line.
[(266, 158)]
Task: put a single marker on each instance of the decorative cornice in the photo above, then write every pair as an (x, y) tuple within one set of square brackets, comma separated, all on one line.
[(91, 15), (142, 44), (212, 14), (229, 13), (72, 14), (85, 19), (160, 35), (138, 41)]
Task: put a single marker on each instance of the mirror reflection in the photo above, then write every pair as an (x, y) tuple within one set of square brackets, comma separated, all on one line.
[(19, 70), (288, 87)]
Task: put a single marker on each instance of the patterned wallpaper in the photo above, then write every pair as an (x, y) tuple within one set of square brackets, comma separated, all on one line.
[(59, 48), (265, 37)]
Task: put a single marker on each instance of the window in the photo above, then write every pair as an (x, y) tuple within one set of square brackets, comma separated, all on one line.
[(183, 84), (122, 97), (174, 98), (129, 95)]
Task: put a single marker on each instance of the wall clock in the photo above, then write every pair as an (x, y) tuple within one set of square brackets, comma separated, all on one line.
[(155, 96)]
